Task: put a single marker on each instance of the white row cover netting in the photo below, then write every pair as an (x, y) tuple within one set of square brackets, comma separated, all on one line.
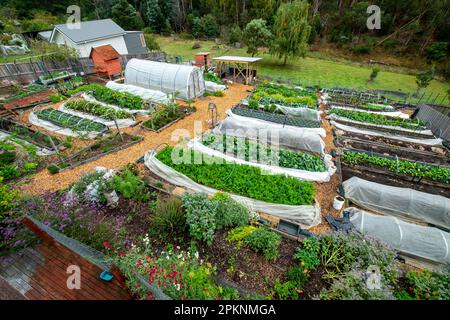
[(402, 202), (398, 114), (253, 122), (375, 126), (146, 94), (414, 240), (325, 176), (17, 45), (303, 113), (288, 137), (306, 216), (121, 123), (214, 87), (90, 98), (64, 131), (430, 142), (186, 81)]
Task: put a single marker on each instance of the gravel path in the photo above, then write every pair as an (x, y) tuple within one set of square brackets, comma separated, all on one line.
[(45, 182)]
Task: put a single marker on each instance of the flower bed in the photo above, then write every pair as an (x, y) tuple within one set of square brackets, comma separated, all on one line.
[(16, 159), (99, 149), (378, 119), (263, 153), (166, 116), (276, 118), (106, 95), (66, 120), (408, 168), (242, 179), (98, 110), (35, 137)]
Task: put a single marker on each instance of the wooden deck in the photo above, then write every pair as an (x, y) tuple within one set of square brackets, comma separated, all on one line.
[(40, 273)]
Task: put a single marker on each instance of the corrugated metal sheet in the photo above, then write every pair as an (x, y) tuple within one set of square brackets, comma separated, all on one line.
[(437, 119)]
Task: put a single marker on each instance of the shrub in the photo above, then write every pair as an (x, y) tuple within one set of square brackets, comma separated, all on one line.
[(297, 275), (130, 186), (286, 290), (239, 234), (308, 254), (9, 172), (7, 197), (29, 166), (362, 49), (168, 219), (427, 285), (229, 212), (374, 74), (151, 42), (53, 169), (200, 216), (265, 241)]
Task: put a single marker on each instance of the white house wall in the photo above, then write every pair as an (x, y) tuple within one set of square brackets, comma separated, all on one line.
[(84, 49)]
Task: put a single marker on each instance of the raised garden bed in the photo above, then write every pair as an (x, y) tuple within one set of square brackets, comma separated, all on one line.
[(394, 131), (29, 96), (242, 179), (66, 120), (55, 76), (401, 152), (364, 107), (378, 119), (35, 137), (166, 117), (286, 158), (97, 150), (98, 110), (386, 170), (283, 95), (276, 118)]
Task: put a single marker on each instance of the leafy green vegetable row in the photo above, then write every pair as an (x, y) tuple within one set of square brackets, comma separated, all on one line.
[(403, 167), (241, 179), (367, 117), (263, 153), (66, 120), (164, 116), (283, 95), (106, 95), (97, 109)]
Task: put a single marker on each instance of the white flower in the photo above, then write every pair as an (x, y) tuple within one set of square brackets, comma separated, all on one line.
[(167, 257), (196, 255), (178, 286), (178, 247)]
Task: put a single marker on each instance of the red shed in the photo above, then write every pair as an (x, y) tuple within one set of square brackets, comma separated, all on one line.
[(106, 60), (203, 59)]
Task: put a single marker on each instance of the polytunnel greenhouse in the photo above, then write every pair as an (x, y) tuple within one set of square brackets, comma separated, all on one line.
[(186, 81)]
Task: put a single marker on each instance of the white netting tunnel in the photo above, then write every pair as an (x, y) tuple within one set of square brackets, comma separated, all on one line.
[(146, 94), (402, 202), (411, 239), (186, 81)]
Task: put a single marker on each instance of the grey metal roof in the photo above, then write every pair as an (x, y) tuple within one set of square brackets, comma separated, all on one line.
[(134, 43), (91, 30), (45, 34)]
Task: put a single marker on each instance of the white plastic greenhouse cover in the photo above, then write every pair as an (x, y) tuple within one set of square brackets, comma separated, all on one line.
[(307, 216), (288, 137), (186, 81), (402, 202), (146, 94), (408, 238)]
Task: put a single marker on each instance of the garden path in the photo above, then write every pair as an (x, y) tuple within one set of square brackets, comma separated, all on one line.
[(45, 182)]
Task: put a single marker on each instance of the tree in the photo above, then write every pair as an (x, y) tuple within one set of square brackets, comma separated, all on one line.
[(424, 78), (235, 35), (291, 30), (126, 16), (374, 74), (256, 35), (152, 14)]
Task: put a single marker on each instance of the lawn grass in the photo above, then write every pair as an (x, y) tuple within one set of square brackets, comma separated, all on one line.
[(314, 71)]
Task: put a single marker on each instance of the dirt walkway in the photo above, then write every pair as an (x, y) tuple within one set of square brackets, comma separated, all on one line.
[(44, 181)]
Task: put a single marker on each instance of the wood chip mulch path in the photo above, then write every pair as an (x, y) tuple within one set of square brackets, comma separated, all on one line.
[(45, 182)]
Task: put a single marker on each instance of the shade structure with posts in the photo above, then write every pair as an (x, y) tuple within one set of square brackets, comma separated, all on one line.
[(184, 81), (244, 68)]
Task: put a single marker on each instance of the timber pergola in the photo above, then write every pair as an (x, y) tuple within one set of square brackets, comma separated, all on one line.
[(242, 66)]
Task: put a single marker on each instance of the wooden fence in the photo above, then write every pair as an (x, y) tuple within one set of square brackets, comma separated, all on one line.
[(437, 119), (30, 71)]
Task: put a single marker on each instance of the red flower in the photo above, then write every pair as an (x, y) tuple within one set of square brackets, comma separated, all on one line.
[(122, 254), (149, 296), (106, 245)]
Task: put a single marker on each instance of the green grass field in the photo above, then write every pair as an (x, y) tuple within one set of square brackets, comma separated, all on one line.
[(314, 71)]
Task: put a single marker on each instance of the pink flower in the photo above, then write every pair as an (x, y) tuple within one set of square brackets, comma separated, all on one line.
[(106, 245)]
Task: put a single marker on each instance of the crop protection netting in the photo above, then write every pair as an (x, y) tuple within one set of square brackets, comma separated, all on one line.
[(431, 142), (305, 215), (398, 114), (307, 139), (411, 239), (146, 94), (401, 202)]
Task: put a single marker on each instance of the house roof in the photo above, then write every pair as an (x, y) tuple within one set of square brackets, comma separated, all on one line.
[(134, 42), (106, 51), (91, 30), (45, 34)]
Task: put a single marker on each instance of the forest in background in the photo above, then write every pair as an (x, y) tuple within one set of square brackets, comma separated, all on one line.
[(408, 27)]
